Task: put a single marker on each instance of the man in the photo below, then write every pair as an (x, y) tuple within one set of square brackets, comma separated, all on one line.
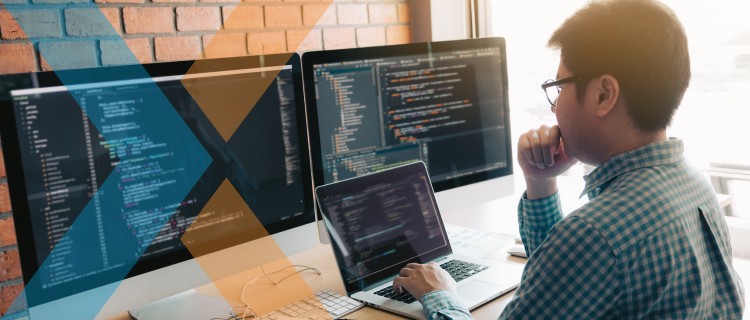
[(652, 241)]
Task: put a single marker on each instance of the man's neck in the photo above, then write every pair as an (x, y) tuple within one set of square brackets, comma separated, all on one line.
[(632, 141)]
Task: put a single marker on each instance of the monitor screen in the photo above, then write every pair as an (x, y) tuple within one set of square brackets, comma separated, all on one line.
[(444, 103), (62, 142), (379, 223)]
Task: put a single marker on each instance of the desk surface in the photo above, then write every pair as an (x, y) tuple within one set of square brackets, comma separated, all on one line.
[(496, 216)]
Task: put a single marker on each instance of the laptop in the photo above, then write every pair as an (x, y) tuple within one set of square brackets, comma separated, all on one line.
[(380, 222)]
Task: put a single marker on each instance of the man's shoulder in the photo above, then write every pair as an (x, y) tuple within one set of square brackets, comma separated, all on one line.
[(640, 203)]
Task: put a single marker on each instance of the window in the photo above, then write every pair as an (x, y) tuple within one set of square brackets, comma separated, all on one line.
[(715, 113)]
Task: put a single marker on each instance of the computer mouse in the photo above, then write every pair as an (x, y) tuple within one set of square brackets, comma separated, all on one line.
[(517, 251)]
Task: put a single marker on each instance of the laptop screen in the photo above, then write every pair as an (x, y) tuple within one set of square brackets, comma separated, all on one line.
[(380, 222)]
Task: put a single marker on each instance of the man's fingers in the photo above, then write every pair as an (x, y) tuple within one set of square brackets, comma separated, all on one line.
[(524, 147), (405, 272), (413, 265), (555, 139), (545, 145), (398, 284), (536, 148)]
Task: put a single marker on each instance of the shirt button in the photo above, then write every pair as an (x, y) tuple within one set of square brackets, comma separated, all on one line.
[(598, 191)]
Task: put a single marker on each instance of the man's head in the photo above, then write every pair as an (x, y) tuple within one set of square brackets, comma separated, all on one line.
[(641, 44)]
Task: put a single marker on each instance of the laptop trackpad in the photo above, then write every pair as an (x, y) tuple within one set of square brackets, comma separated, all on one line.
[(477, 290)]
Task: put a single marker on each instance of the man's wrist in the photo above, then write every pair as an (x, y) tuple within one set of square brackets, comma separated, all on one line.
[(540, 188)]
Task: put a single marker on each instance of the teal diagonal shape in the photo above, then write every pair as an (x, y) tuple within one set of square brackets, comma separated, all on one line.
[(158, 158)]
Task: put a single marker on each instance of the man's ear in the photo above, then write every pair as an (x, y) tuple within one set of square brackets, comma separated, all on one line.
[(607, 93)]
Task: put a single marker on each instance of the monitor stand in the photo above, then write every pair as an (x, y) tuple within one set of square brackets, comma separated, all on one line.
[(203, 303)]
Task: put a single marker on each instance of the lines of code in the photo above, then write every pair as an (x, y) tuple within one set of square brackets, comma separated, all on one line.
[(450, 104), (428, 101), (384, 224)]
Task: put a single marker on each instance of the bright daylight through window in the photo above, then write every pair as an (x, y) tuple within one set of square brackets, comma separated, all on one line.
[(715, 111)]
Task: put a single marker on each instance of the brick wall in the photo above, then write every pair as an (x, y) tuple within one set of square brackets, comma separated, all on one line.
[(170, 30), (11, 283)]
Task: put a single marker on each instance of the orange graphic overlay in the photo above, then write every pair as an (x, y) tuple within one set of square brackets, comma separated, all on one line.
[(230, 269), (226, 107)]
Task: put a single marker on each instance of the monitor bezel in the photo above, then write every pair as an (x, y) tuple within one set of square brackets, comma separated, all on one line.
[(16, 178), (310, 59)]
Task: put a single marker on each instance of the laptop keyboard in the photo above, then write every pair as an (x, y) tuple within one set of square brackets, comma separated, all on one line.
[(388, 292), (458, 270)]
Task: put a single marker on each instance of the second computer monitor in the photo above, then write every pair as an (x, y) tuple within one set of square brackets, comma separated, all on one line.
[(445, 103)]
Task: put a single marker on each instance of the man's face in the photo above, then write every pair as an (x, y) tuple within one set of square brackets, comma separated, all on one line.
[(567, 109), (576, 120)]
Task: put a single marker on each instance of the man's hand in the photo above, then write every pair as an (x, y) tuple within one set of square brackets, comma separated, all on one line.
[(542, 157), (420, 279)]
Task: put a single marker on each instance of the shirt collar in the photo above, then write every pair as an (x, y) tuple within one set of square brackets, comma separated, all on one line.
[(652, 154)]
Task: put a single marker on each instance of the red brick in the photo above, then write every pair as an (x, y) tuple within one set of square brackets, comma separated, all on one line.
[(283, 16), (148, 19), (8, 295), (9, 28), (352, 13), (141, 48), (266, 42), (4, 198), (120, 1), (371, 36), (7, 232), (398, 34), (243, 17), (16, 58), (222, 1), (198, 19), (222, 45), (2, 163), (304, 40), (339, 38), (404, 12), (177, 48), (10, 265), (319, 14), (383, 13), (113, 15)]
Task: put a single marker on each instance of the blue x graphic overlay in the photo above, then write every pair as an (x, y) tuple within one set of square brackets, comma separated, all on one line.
[(156, 161)]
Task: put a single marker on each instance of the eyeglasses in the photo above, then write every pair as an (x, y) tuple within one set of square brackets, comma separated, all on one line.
[(552, 89)]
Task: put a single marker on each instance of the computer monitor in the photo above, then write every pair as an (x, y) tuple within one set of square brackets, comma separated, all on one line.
[(444, 103), (96, 159)]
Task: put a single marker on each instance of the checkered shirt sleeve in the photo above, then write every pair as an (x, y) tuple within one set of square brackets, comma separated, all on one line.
[(444, 305), (578, 281), (536, 218)]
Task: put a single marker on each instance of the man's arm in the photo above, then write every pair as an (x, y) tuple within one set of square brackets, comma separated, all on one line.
[(536, 218), (542, 157), (434, 288), (573, 275)]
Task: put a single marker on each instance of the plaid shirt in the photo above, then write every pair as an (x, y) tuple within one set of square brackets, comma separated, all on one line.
[(650, 243)]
